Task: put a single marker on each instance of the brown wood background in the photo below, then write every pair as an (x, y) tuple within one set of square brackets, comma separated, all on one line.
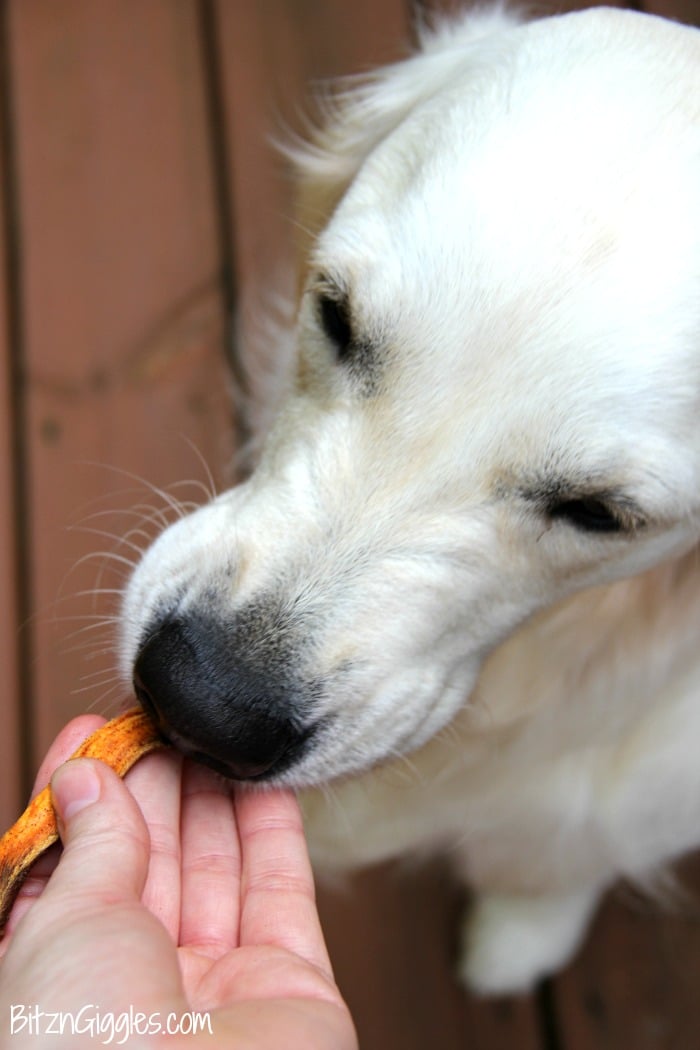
[(141, 207)]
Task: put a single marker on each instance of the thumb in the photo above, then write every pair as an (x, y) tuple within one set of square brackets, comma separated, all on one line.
[(105, 838), (88, 938)]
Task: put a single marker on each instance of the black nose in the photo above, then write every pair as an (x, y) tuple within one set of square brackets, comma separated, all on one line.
[(232, 710)]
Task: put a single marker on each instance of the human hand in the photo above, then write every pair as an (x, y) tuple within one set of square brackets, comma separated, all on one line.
[(178, 893)]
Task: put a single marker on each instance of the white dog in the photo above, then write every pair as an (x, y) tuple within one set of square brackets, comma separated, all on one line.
[(472, 536)]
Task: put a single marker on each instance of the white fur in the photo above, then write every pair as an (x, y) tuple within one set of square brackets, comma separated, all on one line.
[(516, 210)]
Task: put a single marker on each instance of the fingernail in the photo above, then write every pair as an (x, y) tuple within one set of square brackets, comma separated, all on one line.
[(74, 786)]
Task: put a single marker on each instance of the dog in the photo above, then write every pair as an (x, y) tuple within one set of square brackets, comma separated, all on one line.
[(456, 603)]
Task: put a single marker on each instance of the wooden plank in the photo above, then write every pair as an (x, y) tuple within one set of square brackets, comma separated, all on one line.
[(121, 302), (10, 743), (681, 10), (536, 9), (269, 55), (392, 939), (634, 985)]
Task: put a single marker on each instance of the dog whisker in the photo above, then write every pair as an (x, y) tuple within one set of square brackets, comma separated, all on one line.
[(90, 627), (120, 541), (110, 673), (161, 492), (90, 647), (108, 557), (99, 683), (110, 697), (208, 489), (106, 501)]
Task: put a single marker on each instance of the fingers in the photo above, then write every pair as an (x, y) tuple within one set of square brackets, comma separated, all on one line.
[(211, 863), (278, 905), (155, 783)]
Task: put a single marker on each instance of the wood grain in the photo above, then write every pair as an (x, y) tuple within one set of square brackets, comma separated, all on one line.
[(122, 307), (11, 743)]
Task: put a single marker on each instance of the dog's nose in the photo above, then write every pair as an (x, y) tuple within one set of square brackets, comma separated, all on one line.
[(215, 703)]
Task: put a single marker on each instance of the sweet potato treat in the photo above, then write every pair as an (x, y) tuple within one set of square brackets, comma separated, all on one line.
[(120, 743)]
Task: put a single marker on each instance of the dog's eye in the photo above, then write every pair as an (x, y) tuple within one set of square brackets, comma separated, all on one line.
[(588, 514), (335, 321)]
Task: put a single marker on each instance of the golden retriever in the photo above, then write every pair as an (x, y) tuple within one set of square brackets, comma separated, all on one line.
[(462, 584)]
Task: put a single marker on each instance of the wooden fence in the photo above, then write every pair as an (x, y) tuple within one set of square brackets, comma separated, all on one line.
[(140, 208)]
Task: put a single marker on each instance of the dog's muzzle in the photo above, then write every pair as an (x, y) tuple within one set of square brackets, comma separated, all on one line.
[(233, 704)]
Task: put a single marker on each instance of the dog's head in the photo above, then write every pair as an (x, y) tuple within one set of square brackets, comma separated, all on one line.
[(496, 400)]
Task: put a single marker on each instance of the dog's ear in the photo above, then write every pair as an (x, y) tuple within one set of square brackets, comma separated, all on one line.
[(359, 112)]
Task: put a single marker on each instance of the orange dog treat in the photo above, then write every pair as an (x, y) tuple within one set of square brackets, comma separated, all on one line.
[(120, 743)]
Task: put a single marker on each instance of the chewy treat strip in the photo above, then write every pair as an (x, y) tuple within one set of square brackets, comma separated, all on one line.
[(120, 743)]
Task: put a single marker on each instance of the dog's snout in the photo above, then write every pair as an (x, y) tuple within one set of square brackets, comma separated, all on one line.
[(216, 703)]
